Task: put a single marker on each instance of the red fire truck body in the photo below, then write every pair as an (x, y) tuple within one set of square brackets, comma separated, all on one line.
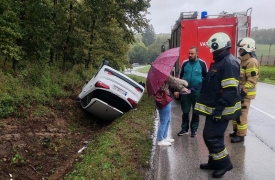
[(190, 31)]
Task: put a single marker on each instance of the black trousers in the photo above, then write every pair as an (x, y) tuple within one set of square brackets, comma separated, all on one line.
[(213, 135)]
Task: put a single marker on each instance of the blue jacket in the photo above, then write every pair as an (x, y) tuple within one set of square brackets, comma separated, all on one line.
[(193, 72)]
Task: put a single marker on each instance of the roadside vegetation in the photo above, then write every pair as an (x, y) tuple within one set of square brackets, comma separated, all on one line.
[(267, 74), (145, 69), (117, 150), (35, 86)]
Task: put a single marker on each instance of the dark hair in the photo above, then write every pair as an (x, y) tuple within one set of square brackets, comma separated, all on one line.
[(194, 47)]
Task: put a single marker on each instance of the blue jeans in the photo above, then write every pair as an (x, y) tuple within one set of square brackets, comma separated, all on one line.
[(164, 121)]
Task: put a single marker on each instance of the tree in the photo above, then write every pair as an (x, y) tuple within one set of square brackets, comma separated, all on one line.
[(129, 15), (37, 29), (148, 37), (154, 50), (69, 32), (138, 53), (10, 30)]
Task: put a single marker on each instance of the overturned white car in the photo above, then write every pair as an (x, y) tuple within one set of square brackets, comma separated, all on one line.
[(110, 93)]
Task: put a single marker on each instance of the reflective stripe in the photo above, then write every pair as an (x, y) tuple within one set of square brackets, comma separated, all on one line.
[(220, 155), (242, 127), (248, 85), (249, 70), (251, 91), (234, 122), (209, 110), (230, 82)]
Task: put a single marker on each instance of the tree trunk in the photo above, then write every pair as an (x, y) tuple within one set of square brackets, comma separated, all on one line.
[(65, 51), (92, 36), (54, 21), (14, 64)]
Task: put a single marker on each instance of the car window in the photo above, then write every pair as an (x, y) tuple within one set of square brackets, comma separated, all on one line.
[(107, 97)]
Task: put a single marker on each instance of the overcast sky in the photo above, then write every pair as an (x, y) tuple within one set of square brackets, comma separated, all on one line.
[(164, 13)]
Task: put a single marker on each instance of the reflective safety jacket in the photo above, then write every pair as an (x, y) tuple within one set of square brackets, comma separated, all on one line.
[(249, 75), (220, 93)]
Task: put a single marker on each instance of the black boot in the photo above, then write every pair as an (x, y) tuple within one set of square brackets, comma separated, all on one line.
[(220, 172), (206, 166), (237, 139), (233, 134)]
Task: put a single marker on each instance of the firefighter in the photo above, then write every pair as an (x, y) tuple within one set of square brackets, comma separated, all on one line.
[(248, 81), (220, 102)]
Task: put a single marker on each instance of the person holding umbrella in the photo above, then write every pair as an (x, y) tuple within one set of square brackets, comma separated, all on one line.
[(158, 79)]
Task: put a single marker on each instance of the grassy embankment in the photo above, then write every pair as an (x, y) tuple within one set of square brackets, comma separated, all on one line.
[(145, 69), (263, 49), (267, 74)]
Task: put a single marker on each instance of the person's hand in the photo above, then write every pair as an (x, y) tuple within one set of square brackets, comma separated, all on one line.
[(176, 94), (243, 93)]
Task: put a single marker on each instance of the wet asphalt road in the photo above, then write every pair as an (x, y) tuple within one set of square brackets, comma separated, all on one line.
[(253, 159)]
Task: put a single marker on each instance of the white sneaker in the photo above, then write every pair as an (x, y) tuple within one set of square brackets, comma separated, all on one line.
[(170, 140), (164, 143)]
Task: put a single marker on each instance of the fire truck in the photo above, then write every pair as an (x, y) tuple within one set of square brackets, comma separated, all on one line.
[(189, 31)]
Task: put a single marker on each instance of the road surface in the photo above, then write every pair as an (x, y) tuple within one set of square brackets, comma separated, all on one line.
[(253, 159)]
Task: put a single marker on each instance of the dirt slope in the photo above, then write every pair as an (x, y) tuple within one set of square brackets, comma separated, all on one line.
[(41, 147)]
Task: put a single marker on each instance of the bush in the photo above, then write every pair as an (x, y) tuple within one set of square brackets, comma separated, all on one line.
[(267, 75), (38, 85), (6, 105)]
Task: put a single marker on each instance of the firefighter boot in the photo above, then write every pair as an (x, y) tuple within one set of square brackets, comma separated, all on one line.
[(222, 166), (208, 165), (233, 134), (237, 139), (220, 172)]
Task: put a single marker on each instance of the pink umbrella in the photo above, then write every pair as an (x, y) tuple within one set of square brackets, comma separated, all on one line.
[(161, 69)]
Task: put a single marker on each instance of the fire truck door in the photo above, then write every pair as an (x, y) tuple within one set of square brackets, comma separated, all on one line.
[(204, 32)]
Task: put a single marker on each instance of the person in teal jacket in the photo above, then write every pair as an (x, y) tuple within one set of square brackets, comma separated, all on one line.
[(193, 70)]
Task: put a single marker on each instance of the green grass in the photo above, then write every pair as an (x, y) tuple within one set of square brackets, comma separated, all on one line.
[(144, 69), (38, 86), (267, 74), (263, 49), (123, 150)]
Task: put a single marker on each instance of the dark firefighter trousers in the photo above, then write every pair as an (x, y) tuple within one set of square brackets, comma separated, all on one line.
[(213, 135), (188, 101)]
